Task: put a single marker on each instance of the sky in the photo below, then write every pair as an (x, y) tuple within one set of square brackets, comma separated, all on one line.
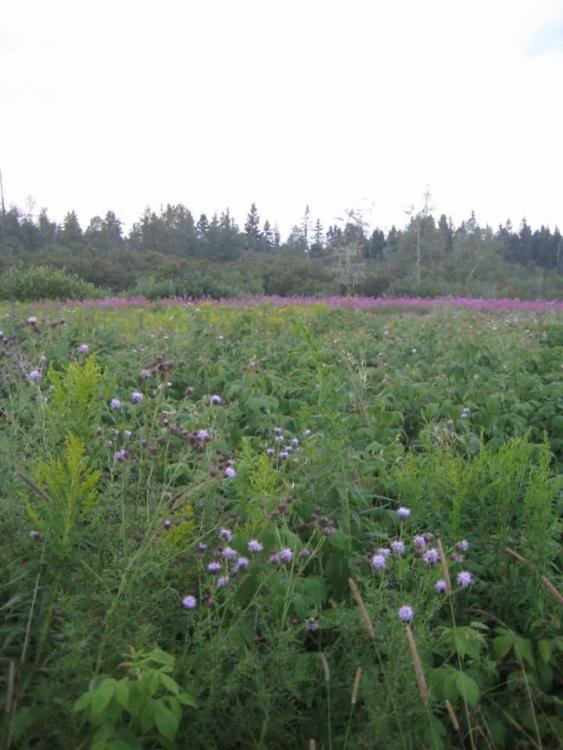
[(357, 105)]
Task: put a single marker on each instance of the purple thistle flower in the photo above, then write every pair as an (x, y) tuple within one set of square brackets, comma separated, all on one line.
[(216, 400), (406, 613), (378, 562), (225, 534), (278, 439), (274, 559), (285, 555), (146, 374), (229, 553), (312, 625), (278, 430), (243, 563), (384, 552), (214, 567), (254, 546), (464, 579), (295, 442), (202, 547), (136, 397), (269, 452), (222, 581), (306, 433), (203, 435), (189, 602), (32, 320), (463, 545), (284, 454), (35, 376), (398, 547), (35, 534), (120, 455), (419, 542), (167, 523), (83, 348), (115, 404), (403, 512), (229, 473), (431, 556), (440, 587), (305, 553)]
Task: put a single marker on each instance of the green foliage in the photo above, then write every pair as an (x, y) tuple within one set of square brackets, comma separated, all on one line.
[(75, 403), (72, 488), (331, 419), (45, 282), (145, 707)]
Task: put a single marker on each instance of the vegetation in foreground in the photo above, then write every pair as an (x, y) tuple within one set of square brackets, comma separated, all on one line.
[(235, 528)]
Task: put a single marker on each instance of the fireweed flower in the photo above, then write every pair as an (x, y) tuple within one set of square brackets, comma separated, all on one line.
[(431, 556), (83, 348), (214, 567), (189, 602), (419, 542), (222, 581), (34, 376), (226, 535), (440, 587), (136, 397), (115, 404), (254, 546), (285, 555), (406, 613), (229, 473), (403, 512), (464, 579), (398, 547), (378, 562)]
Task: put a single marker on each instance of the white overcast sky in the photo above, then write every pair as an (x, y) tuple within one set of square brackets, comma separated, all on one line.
[(124, 104)]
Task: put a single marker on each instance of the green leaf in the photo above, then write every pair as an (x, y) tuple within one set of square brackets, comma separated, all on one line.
[(122, 692), (166, 722), (102, 696), (545, 649), (170, 684), (524, 650), (188, 700), (467, 688), (82, 702), (502, 645)]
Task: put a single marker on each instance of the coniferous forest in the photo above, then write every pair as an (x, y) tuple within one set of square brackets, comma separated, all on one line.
[(171, 252)]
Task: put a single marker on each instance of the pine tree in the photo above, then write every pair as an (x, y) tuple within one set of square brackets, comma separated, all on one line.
[(317, 247), (252, 229)]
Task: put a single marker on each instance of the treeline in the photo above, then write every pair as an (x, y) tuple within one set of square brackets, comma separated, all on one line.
[(169, 252)]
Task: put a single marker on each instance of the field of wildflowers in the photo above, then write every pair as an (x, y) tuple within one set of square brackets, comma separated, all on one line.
[(285, 524)]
